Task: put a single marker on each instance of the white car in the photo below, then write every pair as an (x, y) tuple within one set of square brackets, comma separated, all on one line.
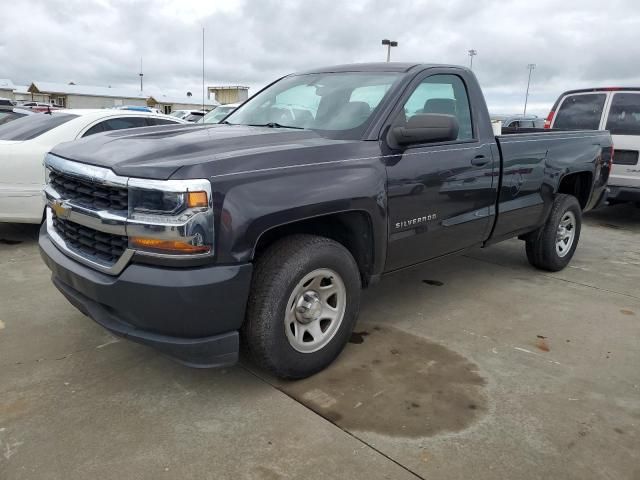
[(613, 109), (24, 143), (218, 113), (188, 115)]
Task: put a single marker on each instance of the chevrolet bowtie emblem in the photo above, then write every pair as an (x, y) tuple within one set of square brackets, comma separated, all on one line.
[(61, 210)]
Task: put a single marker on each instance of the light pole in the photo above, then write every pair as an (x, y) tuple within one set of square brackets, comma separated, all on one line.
[(389, 44), (472, 53), (531, 68), (141, 74)]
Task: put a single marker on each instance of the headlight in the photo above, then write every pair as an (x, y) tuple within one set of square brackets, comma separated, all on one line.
[(170, 218)]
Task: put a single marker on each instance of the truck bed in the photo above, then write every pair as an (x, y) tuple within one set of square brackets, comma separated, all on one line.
[(533, 163)]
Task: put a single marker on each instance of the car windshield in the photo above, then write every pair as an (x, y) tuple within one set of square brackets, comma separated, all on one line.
[(33, 126), (214, 116), (336, 105)]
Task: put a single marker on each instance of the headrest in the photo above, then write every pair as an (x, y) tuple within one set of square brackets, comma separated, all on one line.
[(445, 106)]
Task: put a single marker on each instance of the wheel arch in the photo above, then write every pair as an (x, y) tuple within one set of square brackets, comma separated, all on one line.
[(354, 229), (578, 184)]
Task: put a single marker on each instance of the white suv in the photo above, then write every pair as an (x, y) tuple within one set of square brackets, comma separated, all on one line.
[(613, 109)]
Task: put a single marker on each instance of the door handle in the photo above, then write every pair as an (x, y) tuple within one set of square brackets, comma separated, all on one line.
[(479, 160)]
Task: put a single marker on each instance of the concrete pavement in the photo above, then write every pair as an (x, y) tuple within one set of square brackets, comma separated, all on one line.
[(474, 366)]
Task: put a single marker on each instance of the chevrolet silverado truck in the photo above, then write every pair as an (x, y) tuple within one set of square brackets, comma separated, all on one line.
[(261, 231)]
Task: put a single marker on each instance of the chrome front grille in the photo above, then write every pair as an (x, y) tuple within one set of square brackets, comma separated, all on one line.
[(97, 245), (89, 194), (92, 219)]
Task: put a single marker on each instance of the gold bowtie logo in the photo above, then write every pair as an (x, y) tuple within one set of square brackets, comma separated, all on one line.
[(60, 209)]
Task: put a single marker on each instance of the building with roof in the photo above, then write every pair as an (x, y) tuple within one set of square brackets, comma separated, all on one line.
[(228, 93), (170, 103), (6, 88), (70, 95), (90, 96), (85, 96)]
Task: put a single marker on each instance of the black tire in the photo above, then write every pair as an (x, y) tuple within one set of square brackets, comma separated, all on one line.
[(541, 244), (277, 273)]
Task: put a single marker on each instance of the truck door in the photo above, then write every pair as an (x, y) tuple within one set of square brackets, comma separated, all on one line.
[(440, 195)]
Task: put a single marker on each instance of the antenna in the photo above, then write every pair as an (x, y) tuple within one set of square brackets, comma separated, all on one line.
[(203, 69), (141, 75)]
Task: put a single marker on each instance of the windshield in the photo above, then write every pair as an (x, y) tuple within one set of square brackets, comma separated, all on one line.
[(214, 116), (33, 126), (336, 105)]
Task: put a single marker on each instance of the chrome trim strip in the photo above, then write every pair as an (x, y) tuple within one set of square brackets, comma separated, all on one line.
[(104, 267), (99, 175)]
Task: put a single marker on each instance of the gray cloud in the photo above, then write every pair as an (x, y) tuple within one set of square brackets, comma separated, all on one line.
[(573, 43)]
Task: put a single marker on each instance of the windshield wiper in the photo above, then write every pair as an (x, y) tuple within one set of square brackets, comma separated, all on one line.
[(274, 125)]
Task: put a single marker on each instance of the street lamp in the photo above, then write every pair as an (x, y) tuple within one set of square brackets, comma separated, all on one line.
[(472, 53), (531, 68), (389, 44)]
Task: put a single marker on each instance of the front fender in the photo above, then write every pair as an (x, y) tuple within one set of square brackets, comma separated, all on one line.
[(256, 202)]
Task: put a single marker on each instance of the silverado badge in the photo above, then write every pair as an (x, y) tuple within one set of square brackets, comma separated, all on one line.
[(415, 221)]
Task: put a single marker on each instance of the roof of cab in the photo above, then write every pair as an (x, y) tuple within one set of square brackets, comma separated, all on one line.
[(375, 67)]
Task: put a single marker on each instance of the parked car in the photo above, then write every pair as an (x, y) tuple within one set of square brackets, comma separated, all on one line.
[(9, 114), (188, 115), (218, 113), (519, 121), (6, 102), (137, 108), (272, 222), (24, 142), (40, 106), (613, 109)]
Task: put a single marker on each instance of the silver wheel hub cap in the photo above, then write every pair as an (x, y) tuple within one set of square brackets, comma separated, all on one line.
[(315, 310), (566, 234), (308, 307)]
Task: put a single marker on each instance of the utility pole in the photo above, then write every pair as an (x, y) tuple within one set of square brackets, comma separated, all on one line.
[(202, 68), (389, 44), (531, 68), (141, 74), (472, 53)]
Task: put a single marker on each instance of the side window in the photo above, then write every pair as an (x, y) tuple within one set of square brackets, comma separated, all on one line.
[(580, 112), (624, 114), (161, 121), (124, 122), (117, 124), (442, 94), (97, 128)]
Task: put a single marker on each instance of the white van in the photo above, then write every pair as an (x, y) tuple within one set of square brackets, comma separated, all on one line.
[(613, 109)]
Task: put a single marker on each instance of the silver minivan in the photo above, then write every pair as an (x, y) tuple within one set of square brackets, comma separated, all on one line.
[(613, 109)]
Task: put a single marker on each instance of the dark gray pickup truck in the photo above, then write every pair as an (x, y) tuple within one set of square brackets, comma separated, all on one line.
[(265, 228)]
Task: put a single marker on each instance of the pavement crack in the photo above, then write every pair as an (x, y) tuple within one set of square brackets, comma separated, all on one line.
[(556, 278), (352, 435)]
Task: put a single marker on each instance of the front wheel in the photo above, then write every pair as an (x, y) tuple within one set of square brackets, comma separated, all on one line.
[(303, 305), (553, 245)]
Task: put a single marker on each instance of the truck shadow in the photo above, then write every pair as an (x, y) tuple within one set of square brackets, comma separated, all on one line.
[(18, 233), (624, 216)]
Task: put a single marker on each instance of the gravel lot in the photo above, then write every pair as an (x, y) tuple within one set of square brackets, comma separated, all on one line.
[(474, 366)]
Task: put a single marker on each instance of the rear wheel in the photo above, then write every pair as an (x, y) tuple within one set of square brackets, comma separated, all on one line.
[(303, 305), (553, 245)]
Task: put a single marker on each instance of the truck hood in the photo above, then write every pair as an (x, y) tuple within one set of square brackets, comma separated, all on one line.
[(193, 151)]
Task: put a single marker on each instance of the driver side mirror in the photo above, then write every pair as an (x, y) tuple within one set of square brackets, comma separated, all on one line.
[(426, 128)]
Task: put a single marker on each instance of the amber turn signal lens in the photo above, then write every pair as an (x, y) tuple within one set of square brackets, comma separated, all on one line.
[(169, 246), (197, 199)]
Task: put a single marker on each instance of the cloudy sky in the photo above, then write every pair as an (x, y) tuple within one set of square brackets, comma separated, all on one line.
[(252, 42)]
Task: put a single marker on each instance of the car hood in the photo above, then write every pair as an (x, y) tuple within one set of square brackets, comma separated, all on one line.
[(193, 151)]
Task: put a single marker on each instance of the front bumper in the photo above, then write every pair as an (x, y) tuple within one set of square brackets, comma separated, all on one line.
[(624, 194), (191, 314)]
